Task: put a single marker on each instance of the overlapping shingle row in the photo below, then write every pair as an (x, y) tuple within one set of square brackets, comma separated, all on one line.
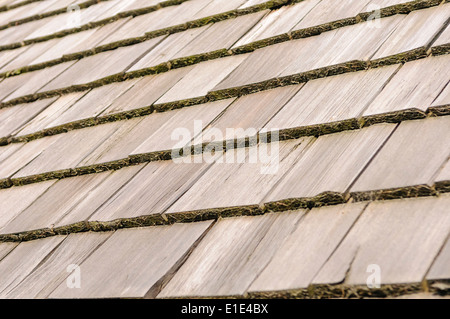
[(360, 176)]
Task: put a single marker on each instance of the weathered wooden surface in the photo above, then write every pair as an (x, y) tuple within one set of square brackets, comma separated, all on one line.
[(18, 264), (307, 248), (202, 78), (327, 11), (55, 268), (402, 237), (417, 30), (168, 48), (97, 196), (189, 120), (68, 150), (155, 253), (222, 185), (152, 191), (332, 163), (16, 199), (14, 118), (412, 156), (54, 204), (250, 112), (440, 268), (416, 85), (231, 256), (332, 99), (278, 22), (47, 117)]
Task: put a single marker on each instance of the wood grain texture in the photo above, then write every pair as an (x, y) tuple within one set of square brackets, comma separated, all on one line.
[(141, 258), (250, 112), (152, 190), (168, 48), (231, 256), (14, 118), (332, 99), (214, 38), (332, 163), (20, 32), (28, 56), (236, 179), (16, 199), (265, 63), (93, 103), (7, 150), (66, 45), (444, 173), (354, 42), (443, 38), (54, 204), (402, 237), (278, 22), (130, 134), (100, 34), (30, 83), (189, 121), (416, 85), (327, 11), (202, 78), (417, 30), (101, 65), (412, 156), (98, 195), (6, 248), (147, 91), (18, 264), (54, 269), (215, 7), (23, 156), (440, 268), (46, 118), (443, 98), (68, 150), (305, 251), (10, 55)]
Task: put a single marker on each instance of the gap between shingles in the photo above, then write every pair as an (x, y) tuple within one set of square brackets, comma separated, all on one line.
[(164, 68), (212, 214), (346, 67), (156, 289), (133, 13), (285, 134), (16, 5), (39, 16), (272, 5), (93, 25)]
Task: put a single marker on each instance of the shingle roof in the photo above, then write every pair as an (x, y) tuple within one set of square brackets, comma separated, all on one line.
[(93, 174)]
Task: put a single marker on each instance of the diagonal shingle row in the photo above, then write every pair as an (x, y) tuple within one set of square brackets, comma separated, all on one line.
[(318, 253), (383, 161), (41, 57), (338, 195), (320, 106)]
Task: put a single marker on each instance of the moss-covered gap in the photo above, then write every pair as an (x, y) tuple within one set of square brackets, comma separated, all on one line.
[(321, 200), (403, 8), (16, 5), (82, 5), (392, 117), (283, 135)]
